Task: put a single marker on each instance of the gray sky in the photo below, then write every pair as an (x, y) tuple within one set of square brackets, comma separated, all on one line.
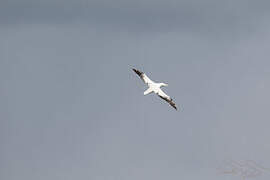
[(71, 108)]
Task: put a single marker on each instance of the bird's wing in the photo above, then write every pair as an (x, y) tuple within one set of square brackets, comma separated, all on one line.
[(167, 98), (143, 76)]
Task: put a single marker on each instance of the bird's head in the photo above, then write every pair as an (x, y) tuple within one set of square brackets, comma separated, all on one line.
[(163, 84)]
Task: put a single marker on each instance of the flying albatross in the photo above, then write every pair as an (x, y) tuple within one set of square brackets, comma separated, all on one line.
[(155, 87)]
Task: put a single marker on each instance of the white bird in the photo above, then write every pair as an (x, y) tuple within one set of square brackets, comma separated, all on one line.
[(155, 87)]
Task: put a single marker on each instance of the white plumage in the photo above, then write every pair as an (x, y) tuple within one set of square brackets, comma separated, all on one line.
[(155, 87)]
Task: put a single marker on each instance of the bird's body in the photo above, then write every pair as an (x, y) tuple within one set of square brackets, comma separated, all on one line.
[(155, 87)]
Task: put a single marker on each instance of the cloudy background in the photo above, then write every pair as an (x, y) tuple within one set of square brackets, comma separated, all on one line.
[(71, 108)]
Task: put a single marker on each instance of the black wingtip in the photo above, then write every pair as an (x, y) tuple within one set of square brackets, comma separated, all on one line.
[(137, 71), (174, 106)]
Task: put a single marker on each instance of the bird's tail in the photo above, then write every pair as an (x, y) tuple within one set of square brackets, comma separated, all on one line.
[(148, 91)]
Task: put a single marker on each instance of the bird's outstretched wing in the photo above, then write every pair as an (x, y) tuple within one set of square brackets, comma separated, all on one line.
[(143, 76), (167, 98)]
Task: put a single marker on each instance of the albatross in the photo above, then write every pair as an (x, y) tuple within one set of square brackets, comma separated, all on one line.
[(155, 87)]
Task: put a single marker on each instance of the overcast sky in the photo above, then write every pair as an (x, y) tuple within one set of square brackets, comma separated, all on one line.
[(71, 108)]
